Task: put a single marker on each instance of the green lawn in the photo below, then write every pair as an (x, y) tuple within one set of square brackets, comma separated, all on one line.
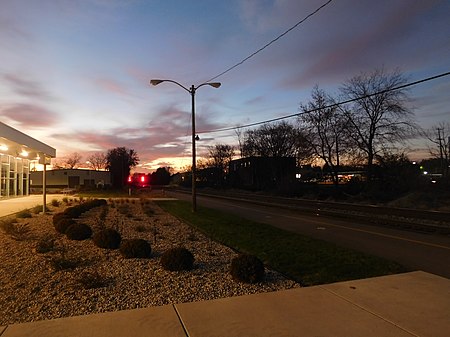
[(306, 260)]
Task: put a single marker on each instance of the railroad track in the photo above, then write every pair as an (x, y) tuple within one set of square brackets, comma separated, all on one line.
[(408, 219)]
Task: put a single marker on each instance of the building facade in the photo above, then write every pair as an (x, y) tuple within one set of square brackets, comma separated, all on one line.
[(18, 152), (73, 179), (262, 173)]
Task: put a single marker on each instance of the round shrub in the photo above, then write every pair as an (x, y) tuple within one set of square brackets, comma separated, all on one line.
[(79, 231), (63, 223), (176, 259), (107, 238), (73, 212), (135, 248), (57, 217), (247, 268)]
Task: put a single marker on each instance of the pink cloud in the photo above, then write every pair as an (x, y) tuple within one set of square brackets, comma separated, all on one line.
[(111, 86), (167, 135)]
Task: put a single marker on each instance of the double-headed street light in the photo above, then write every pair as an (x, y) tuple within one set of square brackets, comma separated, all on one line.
[(192, 91)]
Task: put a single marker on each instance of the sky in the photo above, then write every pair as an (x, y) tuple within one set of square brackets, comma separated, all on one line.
[(75, 74)]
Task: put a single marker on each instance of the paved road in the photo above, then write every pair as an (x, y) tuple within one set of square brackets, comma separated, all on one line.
[(417, 251)]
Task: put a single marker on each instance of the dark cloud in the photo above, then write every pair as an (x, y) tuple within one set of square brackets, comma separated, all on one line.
[(11, 31), (30, 115), (348, 37), (256, 100), (26, 87)]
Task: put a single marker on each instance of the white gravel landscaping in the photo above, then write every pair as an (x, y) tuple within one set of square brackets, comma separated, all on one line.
[(32, 288)]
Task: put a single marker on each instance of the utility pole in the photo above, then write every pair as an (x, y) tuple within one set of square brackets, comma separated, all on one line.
[(441, 151)]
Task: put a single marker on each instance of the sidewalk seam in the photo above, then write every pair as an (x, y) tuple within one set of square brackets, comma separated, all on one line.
[(3, 330), (180, 319), (369, 311)]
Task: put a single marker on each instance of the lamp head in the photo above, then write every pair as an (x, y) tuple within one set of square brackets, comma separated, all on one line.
[(215, 84), (156, 82)]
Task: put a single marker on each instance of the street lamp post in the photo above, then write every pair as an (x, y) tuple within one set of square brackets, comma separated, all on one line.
[(192, 91)]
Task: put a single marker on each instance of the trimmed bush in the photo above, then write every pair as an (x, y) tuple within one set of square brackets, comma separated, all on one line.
[(73, 212), (176, 259), (107, 238), (62, 224), (79, 231), (135, 248), (247, 268), (57, 217)]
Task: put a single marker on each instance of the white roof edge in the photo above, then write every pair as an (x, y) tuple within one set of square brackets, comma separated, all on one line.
[(21, 138)]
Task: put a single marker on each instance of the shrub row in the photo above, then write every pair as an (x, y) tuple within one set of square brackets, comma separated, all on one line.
[(76, 211), (64, 222), (244, 268), (174, 259), (134, 248)]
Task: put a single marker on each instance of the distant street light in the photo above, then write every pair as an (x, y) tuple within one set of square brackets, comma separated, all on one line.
[(192, 91)]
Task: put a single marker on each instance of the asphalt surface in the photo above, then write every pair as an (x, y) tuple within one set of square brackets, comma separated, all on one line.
[(416, 251)]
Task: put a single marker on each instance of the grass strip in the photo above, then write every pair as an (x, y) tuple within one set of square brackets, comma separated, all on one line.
[(304, 259)]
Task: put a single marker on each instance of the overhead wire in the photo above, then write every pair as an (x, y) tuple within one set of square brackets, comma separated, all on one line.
[(328, 106), (269, 43)]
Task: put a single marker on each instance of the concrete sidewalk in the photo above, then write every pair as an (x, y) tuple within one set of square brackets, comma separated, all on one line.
[(14, 205), (411, 304)]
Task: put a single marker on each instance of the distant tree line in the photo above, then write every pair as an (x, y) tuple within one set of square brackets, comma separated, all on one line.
[(369, 131)]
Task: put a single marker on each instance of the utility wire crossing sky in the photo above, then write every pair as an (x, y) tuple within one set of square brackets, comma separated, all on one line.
[(75, 74)]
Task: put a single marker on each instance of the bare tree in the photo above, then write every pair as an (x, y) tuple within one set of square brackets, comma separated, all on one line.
[(97, 161), (240, 136), (376, 123), (274, 140), (439, 136), (220, 156), (324, 130), (72, 160)]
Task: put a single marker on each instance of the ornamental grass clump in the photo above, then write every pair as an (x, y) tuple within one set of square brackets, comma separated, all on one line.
[(177, 259), (46, 243), (78, 231), (24, 214), (93, 279), (135, 248), (107, 238), (17, 231), (247, 268)]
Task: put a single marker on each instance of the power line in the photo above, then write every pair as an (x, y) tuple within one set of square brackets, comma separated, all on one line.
[(269, 43), (329, 106)]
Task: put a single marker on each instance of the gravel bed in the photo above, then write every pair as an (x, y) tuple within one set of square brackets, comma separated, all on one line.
[(33, 287)]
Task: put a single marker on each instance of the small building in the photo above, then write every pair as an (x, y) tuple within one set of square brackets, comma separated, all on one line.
[(262, 173), (17, 152), (73, 179)]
